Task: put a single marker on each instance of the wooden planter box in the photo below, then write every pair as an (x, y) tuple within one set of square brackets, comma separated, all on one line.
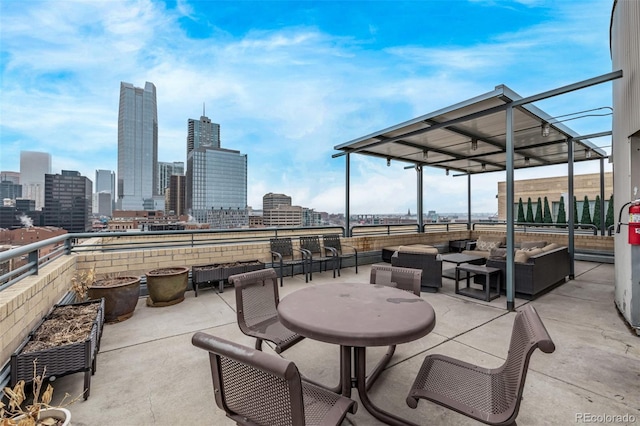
[(220, 272), (64, 359)]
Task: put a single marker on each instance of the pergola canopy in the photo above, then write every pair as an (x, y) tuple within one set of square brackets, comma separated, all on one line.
[(470, 137)]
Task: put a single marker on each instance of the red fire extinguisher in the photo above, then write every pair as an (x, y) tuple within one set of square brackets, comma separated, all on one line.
[(634, 224)]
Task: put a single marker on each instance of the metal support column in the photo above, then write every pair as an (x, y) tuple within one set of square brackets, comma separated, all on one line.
[(572, 219), (347, 227), (420, 200), (469, 201), (510, 272), (602, 212)]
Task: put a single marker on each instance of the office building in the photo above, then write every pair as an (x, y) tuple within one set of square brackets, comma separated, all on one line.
[(105, 184), (7, 176), (33, 166), (137, 146), (67, 203), (273, 201), (284, 216), (10, 190), (202, 133), (217, 187), (165, 171), (177, 194)]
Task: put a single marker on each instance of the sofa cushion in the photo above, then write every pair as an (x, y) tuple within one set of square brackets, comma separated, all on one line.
[(532, 244), (534, 251), (498, 253), (521, 256), (550, 247), (418, 248)]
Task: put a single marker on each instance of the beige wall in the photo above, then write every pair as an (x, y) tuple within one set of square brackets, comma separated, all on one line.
[(553, 188)]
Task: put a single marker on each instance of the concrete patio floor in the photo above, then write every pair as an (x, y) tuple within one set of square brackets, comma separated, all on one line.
[(148, 373)]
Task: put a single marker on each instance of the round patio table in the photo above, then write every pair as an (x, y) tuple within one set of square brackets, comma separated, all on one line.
[(355, 316)]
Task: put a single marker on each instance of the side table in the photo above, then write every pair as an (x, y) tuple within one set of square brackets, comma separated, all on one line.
[(488, 272)]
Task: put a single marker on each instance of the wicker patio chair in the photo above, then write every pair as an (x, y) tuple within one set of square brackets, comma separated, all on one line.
[(282, 253), (491, 396), (256, 305), (333, 244), (311, 244), (406, 279), (256, 388)]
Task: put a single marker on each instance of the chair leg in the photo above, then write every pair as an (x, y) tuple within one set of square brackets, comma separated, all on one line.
[(258, 344)]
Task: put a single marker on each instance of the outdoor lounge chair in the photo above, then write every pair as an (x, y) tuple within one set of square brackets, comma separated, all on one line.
[(333, 244), (256, 305), (282, 253), (256, 388), (489, 395), (406, 279), (311, 244)]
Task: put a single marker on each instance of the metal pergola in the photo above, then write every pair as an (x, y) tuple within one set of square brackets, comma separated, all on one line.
[(496, 131)]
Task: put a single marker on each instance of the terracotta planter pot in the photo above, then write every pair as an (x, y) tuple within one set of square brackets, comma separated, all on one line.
[(120, 297), (166, 286)]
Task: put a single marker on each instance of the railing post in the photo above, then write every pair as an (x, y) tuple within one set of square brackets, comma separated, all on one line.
[(33, 258), (68, 244)]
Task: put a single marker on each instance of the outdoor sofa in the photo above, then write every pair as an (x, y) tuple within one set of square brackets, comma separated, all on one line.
[(537, 270)]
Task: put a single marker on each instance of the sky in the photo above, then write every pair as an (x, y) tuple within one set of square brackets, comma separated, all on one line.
[(288, 81)]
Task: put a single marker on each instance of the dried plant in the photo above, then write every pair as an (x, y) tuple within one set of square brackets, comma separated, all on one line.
[(14, 414), (81, 281)]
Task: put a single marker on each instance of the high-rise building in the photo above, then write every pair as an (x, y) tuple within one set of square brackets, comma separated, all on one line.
[(217, 187), (105, 192), (273, 201), (177, 194), (33, 166), (7, 176), (10, 190), (137, 146), (165, 171), (67, 202), (202, 133)]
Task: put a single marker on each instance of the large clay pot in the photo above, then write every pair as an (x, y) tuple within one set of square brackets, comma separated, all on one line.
[(120, 296), (166, 286)]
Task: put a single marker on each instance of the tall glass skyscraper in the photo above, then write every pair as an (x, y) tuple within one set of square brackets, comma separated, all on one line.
[(137, 146), (33, 166), (202, 133), (217, 187)]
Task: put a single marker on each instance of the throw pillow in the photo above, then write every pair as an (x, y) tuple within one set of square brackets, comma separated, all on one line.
[(521, 256), (498, 253), (532, 244), (534, 251), (487, 245)]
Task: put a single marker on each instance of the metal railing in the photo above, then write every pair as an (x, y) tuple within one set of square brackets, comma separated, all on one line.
[(540, 227), (34, 255)]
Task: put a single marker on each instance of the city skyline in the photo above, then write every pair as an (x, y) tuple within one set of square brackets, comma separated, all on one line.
[(288, 87)]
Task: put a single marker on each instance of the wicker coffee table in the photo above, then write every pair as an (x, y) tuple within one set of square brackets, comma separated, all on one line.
[(458, 259)]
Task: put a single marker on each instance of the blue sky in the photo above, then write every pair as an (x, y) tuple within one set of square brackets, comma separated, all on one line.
[(288, 81)]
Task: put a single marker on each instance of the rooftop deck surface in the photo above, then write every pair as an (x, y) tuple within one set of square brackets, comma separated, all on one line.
[(148, 373)]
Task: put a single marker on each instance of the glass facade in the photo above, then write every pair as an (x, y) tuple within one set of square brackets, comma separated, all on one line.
[(202, 133), (217, 180), (137, 145), (33, 166)]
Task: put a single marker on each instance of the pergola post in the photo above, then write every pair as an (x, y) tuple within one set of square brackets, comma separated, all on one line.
[(510, 270), (571, 235), (469, 201), (602, 212), (347, 228), (420, 198)]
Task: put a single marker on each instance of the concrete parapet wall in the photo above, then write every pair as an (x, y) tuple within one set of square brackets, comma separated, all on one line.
[(581, 241), (25, 303)]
